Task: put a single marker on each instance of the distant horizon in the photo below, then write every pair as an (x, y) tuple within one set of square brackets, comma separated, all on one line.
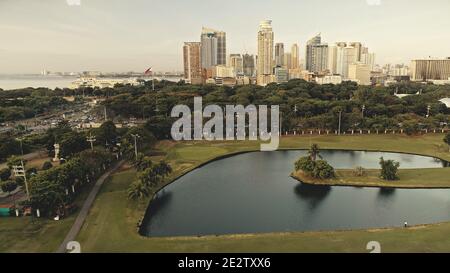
[(118, 37)]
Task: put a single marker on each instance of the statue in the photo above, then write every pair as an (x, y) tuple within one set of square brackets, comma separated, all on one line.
[(56, 158)]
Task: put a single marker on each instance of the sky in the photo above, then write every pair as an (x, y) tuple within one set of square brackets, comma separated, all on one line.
[(132, 35)]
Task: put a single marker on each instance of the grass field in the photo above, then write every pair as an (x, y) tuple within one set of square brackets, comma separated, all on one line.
[(112, 222)]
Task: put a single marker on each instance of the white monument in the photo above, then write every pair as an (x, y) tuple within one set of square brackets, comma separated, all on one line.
[(56, 158)]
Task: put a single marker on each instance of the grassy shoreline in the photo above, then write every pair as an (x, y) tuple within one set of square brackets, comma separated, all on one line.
[(409, 179), (111, 225)]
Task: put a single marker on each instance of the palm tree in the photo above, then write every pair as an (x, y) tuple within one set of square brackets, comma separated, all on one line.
[(138, 191), (163, 169), (314, 152)]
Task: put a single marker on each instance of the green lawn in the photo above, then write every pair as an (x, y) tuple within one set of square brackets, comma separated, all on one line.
[(112, 222), (408, 178)]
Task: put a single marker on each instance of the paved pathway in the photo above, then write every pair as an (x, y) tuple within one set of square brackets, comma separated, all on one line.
[(85, 209)]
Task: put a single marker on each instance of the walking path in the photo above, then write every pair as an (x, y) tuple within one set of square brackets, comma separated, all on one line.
[(86, 207)]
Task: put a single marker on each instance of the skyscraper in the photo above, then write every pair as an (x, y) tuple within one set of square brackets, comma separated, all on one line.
[(236, 62), (213, 47), (265, 53), (287, 61), (309, 50), (295, 61), (279, 54), (248, 65), (192, 62), (316, 55)]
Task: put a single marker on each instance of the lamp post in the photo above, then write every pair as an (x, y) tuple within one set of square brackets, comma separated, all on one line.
[(135, 136), (340, 117)]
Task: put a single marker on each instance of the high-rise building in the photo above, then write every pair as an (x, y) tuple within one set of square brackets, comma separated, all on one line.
[(248, 65), (236, 62), (295, 61), (358, 47), (332, 59), (430, 69), (287, 61), (317, 40), (360, 73), (279, 54), (316, 55), (345, 57), (265, 53), (213, 47), (281, 74), (192, 62)]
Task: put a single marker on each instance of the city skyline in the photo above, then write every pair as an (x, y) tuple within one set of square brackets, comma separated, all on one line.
[(93, 36)]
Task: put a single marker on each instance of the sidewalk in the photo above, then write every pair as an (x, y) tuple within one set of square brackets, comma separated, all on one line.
[(86, 207)]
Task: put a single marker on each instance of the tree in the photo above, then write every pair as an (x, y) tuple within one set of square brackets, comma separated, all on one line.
[(107, 133), (323, 170), (137, 191), (14, 161), (389, 169), (8, 186), (163, 169), (314, 152), (5, 174), (317, 169), (447, 140), (72, 143)]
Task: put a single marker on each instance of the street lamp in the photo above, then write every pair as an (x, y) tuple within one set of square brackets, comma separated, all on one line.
[(428, 111), (340, 117), (135, 136)]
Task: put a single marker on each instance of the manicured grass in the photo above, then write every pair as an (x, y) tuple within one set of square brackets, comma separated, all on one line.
[(111, 224), (408, 178), (21, 234)]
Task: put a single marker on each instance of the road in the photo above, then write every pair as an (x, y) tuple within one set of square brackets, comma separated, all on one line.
[(85, 209)]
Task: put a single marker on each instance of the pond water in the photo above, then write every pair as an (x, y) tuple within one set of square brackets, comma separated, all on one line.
[(253, 193)]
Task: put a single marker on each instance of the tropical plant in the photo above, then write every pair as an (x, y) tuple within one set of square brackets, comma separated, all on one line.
[(137, 191), (314, 152)]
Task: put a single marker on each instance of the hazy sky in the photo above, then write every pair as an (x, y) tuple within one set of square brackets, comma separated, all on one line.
[(124, 35)]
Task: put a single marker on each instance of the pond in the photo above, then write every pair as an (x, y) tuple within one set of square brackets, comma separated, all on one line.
[(253, 193)]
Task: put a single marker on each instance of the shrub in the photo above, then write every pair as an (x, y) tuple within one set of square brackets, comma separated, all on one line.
[(8, 186), (47, 165), (389, 169), (360, 171), (317, 169), (323, 170), (5, 174)]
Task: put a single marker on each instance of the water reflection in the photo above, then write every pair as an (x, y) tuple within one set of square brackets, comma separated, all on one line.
[(253, 192), (313, 194), (386, 193)]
